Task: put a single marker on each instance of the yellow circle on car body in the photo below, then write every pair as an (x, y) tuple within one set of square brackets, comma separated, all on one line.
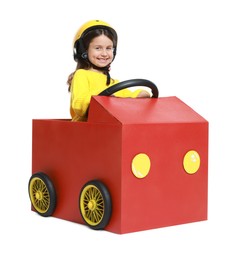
[(191, 162), (141, 165)]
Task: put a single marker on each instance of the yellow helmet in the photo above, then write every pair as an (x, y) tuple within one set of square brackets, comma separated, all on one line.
[(78, 44)]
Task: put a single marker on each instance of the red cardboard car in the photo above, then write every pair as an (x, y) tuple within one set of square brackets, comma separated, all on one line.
[(136, 164)]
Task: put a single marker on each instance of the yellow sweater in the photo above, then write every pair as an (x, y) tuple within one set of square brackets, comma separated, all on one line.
[(87, 83)]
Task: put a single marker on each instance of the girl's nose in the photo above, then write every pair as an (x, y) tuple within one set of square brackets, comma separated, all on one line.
[(104, 52)]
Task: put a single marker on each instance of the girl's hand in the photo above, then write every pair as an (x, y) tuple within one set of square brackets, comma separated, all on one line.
[(143, 94)]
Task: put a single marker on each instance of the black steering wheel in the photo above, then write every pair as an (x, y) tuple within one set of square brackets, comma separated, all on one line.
[(131, 83)]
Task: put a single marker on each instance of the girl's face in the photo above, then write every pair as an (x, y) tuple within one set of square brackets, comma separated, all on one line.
[(100, 51)]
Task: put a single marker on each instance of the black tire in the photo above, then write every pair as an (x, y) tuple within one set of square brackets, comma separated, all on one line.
[(95, 204), (42, 194), (131, 83)]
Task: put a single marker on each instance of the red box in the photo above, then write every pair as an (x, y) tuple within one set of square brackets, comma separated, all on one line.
[(121, 136)]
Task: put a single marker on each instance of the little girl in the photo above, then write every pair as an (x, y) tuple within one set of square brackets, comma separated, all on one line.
[(95, 47)]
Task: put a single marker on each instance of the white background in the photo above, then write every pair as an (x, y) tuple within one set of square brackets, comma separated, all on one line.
[(188, 48)]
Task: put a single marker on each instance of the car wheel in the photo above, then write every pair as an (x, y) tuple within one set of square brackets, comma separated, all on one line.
[(95, 204), (42, 194)]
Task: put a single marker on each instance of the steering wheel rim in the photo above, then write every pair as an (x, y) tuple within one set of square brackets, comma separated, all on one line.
[(131, 83)]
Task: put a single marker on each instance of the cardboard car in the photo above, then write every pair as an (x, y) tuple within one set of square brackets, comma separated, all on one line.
[(136, 164)]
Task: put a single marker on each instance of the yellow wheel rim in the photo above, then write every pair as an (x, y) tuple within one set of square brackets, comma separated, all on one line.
[(39, 195), (92, 205)]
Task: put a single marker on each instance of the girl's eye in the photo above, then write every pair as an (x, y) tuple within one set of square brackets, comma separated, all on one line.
[(100, 48)]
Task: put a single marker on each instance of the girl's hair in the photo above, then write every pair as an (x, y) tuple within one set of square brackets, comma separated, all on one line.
[(87, 38)]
